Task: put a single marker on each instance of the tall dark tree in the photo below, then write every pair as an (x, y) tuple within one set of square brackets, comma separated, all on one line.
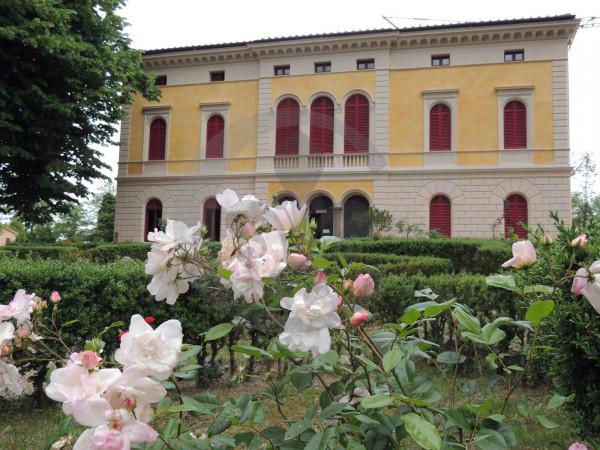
[(105, 223), (66, 70)]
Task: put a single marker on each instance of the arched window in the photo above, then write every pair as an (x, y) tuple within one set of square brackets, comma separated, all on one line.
[(287, 198), (321, 211), (153, 216), (515, 125), (287, 127), (515, 216), (321, 126), (356, 217), (356, 124), (211, 217), (215, 136), (157, 140), (440, 132), (440, 215)]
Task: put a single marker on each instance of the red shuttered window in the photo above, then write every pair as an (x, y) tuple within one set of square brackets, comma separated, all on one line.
[(153, 216), (321, 126), (515, 125), (356, 125), (215, 137), (288, 127), (515, 216), (158, 140), (440, 134), (440, 215)]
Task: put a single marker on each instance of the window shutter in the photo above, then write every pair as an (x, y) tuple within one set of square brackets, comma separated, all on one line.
[(215, 137), (440, 215), (321, 126), (356, 124), (440, 134), (515, 215), (158, 140), (287, 127), (153, 216), (515, 125)]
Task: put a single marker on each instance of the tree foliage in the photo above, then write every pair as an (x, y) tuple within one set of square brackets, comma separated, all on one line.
[(105, 222), (67, 71)]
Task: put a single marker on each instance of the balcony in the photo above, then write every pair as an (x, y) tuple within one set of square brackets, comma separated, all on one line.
[(326, 161)]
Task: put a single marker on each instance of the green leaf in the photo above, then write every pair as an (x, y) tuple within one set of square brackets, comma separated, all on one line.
[(423, 433), (473, 337), (466, 320), (218, 331), (538, 289), (450, 358), (321, 263), (410, 316), (205, 409), (223, 272), (546, 423), (296, 429), (376, 401), (492, 334), (503, 282), (434, 310), (392, 358), (332, 410), (250, 350), (558, 400), (538, 311), (490, 360), (301, 380), (523, 409), (488, 439), (189, 353), (70, 322), (497, 418)]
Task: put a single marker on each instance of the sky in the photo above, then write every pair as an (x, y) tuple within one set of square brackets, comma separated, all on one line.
[(159, 24)]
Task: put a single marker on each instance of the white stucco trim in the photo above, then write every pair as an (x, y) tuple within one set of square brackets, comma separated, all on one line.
[(432, 98), (507, 94)]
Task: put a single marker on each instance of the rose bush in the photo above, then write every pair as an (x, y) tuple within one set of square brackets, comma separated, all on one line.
[(368, 389)]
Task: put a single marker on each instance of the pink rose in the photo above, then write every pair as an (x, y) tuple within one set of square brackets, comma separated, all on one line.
[(109, 438), (524, 255), (248, 230), (359, 317), (23, 331), (580, 241), (320, 277), (5, 348), (298, 261), (87, 359), (55, 297), (363, 286), (577, 446), (580, 281)]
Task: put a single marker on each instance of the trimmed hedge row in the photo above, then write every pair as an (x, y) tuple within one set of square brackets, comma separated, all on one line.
[(468, 255), (106, 253), (67, 253), (397, 264)]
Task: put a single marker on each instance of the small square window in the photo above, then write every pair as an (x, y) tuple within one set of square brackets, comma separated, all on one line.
[(514, 55), (217, 76), (365, 64), (281, 70), (440, 60), (322, 67), (160, 80)]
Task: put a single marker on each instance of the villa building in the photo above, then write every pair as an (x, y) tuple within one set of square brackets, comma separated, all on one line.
[(462, 128)]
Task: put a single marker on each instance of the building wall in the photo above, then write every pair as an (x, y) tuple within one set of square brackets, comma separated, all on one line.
[(7, 236)]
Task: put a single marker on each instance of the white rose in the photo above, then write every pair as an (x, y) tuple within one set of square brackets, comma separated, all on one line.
[(19, 308), (285, 216)]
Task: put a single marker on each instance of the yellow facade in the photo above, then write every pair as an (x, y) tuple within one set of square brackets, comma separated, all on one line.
[(337, 190), (184, 130), (476, 110)]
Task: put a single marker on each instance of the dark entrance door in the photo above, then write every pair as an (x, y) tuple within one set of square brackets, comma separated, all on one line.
[(356, 223), (321, 209)]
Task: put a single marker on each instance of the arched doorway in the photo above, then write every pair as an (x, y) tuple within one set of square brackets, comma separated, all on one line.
[(356, 216), (287, 198), (211, 217), (153, 216), (515, 216), (321, 210)]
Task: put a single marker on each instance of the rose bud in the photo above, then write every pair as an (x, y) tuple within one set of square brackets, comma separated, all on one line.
[(580, 241), (363, 286), (55, 297), (248, 231), (524, 255), (580, 281), (5, 348), (149, 319), (547, 239), (87, 359), (359, 317), (130, 404), (23, 331), (348, 284), (298, 261), (320, 277)]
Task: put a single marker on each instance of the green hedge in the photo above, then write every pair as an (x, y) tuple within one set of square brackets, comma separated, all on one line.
[(469, 255), (68, 253), (397, 264), (106, 253)]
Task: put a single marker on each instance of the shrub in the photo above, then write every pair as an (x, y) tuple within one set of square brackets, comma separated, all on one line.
[(470, 255), (397, 264), (106, 253), (68, 253)]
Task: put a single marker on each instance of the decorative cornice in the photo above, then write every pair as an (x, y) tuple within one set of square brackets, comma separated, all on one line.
[(502, 89), (369, 41), (156, 108)]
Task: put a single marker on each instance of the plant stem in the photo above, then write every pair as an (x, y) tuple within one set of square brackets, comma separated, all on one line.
[(327, 388), (522, 374)]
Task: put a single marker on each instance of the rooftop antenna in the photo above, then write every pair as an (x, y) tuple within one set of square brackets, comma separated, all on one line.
[(390, 22)]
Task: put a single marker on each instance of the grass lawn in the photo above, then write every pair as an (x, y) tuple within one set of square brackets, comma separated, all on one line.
[(23, 428)]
